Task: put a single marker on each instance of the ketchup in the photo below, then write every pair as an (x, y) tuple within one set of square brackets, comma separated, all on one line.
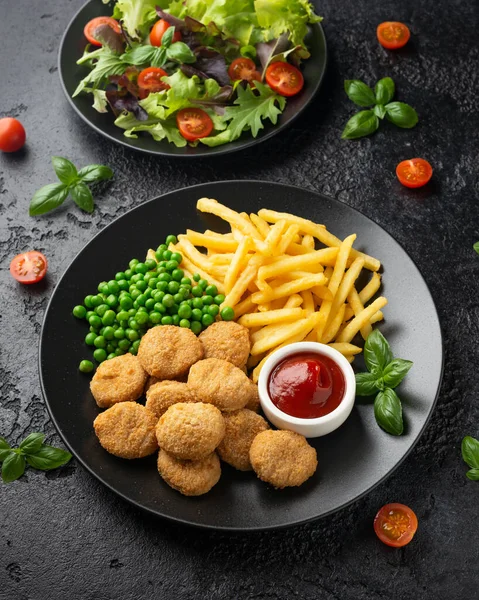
[(307, 385)]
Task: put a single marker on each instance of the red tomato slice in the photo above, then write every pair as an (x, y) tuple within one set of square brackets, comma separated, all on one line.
[(194, 123), (393, 35), (158, 30), (243, 69), (414, 173), (149, 80), (285, 79), (29, 267), (90, 27), (395, 524), (12, 134)]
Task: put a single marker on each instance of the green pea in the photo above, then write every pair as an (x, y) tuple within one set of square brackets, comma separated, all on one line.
[(99, 355), (155, 318), (196, 314), (135, 346), (142, 309), (142, 318), (141, 268), (123, 285), (167, 320), (162, 286), (227, 314), (79, 312), (126, 302), (198, 302), (113, 287), (184, 311), (213, 310), (128, 274), (161, 265), (167, 256), (162, 248), (196, 327), (178, 298), (133, 324), (133, 262), (176, 320), (122, 316), (132, 335), (173, 287), (119, 352), (184, 323), (101, 310), (207, 320), (93, 330), (124, 323), (219, 299), (99, 342), (124, 344), (171, 265), (211, 290), (95, 301), (150, 264), (158, 296), (147, 293), (171, 239), (110, 356), (86, 366), (111, 347), (87, 301), (135, 293), (149, 304), (132, 312), (203, 283), (141, 285), (119, 333), (112, 301), (164, 277), (141, 299), (197, 291), (177, 256), (168, 300), (159, 255), (177, 274), (90, 338), (103, 287), (196, 277), (95, 321), (207, 300), (173, 310), (186, 281), (159, 308), (119, 276), (109, 333), (109, 317), (136, 278), (152, 283)]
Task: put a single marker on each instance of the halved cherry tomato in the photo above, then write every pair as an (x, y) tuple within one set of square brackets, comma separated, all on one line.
[(285, 79), (12, 134), (395, 524), (29, 267), (194, 123), (149, 80), (90, 27), (393, 35), (243, 69), (414, 173), (158, 30)]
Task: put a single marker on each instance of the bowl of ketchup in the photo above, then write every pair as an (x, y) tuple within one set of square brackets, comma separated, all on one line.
[(307, 387)]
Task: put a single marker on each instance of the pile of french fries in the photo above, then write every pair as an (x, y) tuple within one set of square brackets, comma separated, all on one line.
[(281, 287)]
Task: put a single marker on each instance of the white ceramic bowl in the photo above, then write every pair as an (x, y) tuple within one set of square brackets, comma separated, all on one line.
[(308, 427)]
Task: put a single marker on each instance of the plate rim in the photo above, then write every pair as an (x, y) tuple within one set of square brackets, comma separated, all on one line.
[(226, 149), (224, 528)]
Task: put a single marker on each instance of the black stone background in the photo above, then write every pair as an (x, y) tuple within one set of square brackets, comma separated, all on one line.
[(62, 534)]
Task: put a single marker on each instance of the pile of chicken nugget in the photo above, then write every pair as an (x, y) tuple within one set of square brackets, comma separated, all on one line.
[(200, 407)]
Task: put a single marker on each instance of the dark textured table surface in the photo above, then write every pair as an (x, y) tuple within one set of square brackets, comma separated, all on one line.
[(62, 535)]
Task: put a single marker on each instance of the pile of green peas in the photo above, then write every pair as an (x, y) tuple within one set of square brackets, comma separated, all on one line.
[(147, 294)]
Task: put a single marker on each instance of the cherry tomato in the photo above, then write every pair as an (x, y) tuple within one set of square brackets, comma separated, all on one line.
[(395, 525), (393, 35), (243, 69), (90, 27), (194, 123), (158, 30), (285, 79), (414, 173), (29, 267), (150, 80), (12, 134)]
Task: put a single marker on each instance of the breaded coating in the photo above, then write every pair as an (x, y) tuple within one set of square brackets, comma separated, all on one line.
[(167, 352), (163, 394), (253, 403), (189, 477), (150, 381), (242, 426), (127, 430), (282, 458), (120, 379), (190, 431), (218, 382), (226, 340)]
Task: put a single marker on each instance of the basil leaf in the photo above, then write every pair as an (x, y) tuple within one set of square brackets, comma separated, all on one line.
[(82, 197), (476, 247), (395, 372), (360, 93), (167, 37), (361, 124), (47, 198), (470, 451), (94, 173), (139, 55), (159, 56), (379, 111), (377, 353), (473, 474), (401, 114), (384, 90), (32, 443), (388, 412), (366, 384), (5, 449), (13, 467), (181, 53), (48, 458), (65, 170)]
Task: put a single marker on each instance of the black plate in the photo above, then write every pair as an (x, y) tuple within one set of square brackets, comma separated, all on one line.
[(352, 460), (71, 49)]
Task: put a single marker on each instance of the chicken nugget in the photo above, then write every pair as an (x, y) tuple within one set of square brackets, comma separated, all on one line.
[(253, 403), (190, 431), (242, 426), (226, 340), (167, 351), (127, 430), (163, 394), (282, 458), (120, 379), (189, 477), (218, 382)]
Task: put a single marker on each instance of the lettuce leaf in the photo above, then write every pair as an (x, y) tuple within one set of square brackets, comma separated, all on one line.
[(107, 64), (138, 15), (280, 16), (160, 131)]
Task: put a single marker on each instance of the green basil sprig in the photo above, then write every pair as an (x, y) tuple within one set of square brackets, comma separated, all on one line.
[(476, 247), (470, 455), (72, 182), (157, 56), (384, 374), (366, 122), (32, 451)]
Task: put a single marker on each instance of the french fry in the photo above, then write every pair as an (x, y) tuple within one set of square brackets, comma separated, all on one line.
[(322, 293), (191, 268), (307, 241), (287, 239), (345, 348), (236, 264), (260, 224), (283, 332), (221, 259), (264, 307), (291, 287), (344, 289), (209, 205), (283, 315), (293, 301), (272, 240), (150, 255), (295, 249), (350, 358), (293, 263), (197, 258), (212, 242), (332, 327), (241, 285), (357, 306), (308, 302), (377, 317), (360, 320), (246, 306), (371, 288)]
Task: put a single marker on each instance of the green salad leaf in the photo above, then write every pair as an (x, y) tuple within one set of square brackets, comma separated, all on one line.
[(107, 64), (279, 16), (138, 15)]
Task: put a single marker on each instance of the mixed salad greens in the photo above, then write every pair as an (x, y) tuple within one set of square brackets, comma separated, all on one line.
[(192, 71)]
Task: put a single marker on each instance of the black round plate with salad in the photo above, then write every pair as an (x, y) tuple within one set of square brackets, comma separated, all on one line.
[(192, 77)]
